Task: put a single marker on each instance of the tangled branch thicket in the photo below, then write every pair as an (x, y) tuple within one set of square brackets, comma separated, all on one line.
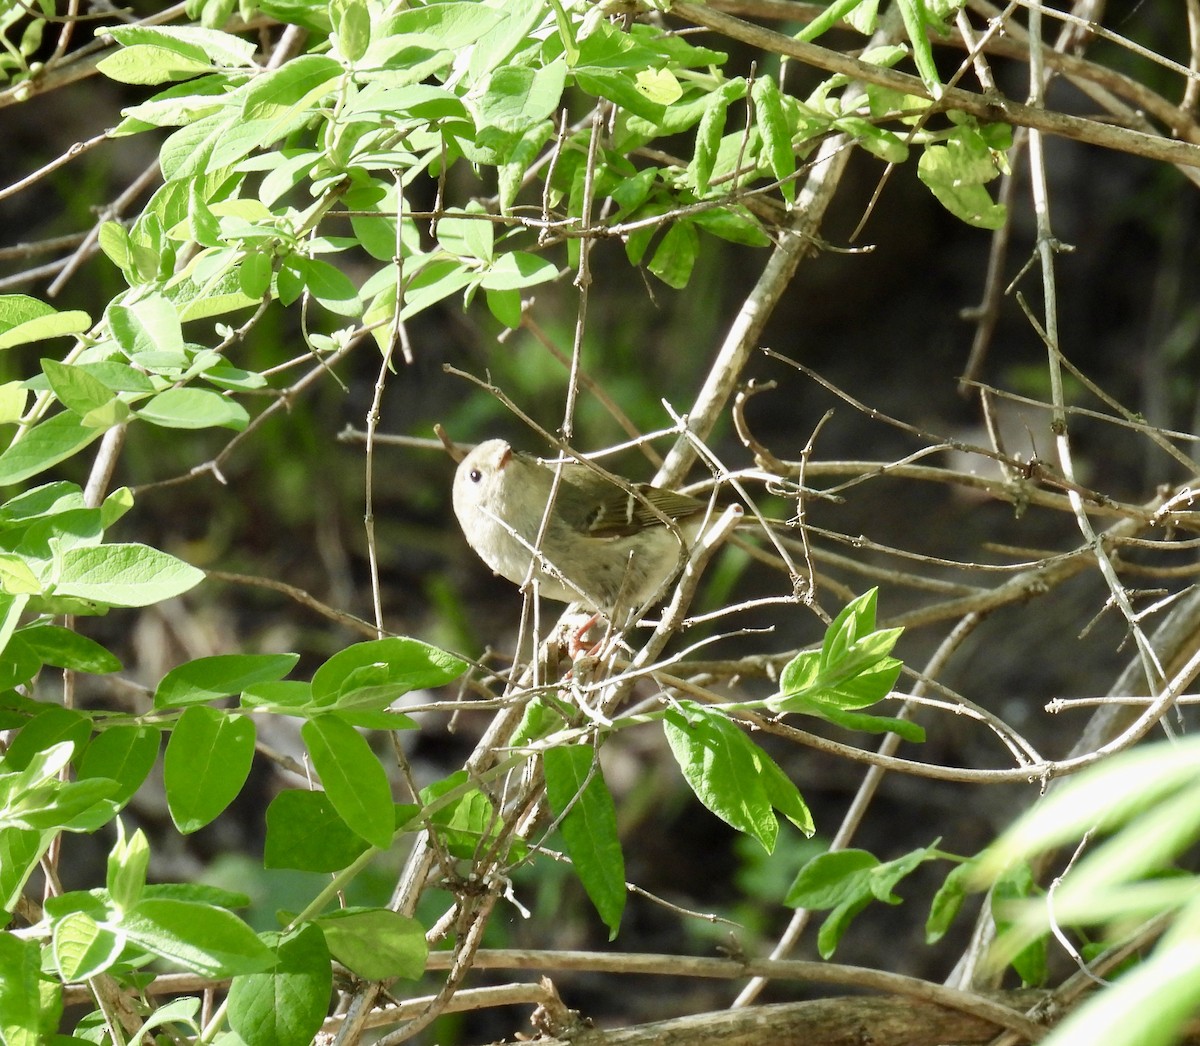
[(1056, 511)]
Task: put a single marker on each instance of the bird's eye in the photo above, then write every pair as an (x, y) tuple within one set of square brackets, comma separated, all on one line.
[(475, 475)]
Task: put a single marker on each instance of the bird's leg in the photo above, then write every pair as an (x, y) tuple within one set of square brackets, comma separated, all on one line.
[(578, 648)]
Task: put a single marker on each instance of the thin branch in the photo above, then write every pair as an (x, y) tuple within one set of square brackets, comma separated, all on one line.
[(990, 108)]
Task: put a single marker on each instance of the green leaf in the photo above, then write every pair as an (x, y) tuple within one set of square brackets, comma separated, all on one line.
[(119, 502), (289, 283), (375, 673), (1145, 805), (16, 578), (454, 25), (183, 1011), (515, 98), (1150, 1005), (784, 795), (353, 778), (288, 1004), (130, 575), (852, 670), (831, 879), (126, 873), (64, 648), (710, 131), (873, 724), (77, 806), (45, 445), (288, 696), (194, 409), (377, 944), (856, 620), (775, 133), (505, 306), (917, 23), (215, 296), (203, 224), (735, 224), (435, 281), (20, 851), (82, 948), (376, 230), (19, 664), (329, 286), (632, 192), (1104, 797), (46, 540), (148, 64), (619, 86), (207, 761), (212, 14), (956, 172), (24, 320), (217, 46), (868, 675), (114, 412), (20, 991), (802, 674), (188, 152), (209, 678), (125, 754), (675, 256), (469, 237), (659, 85), (723, 768), (885, 878), (197, 893), (878, 141), (467, 822), (52, 725), (305, 832), (970, 203), (520, 157), (254, 275), (948, 901), (588, 822), (49, 499), (859, 13), (607, 67), (149, 325), (11, 608), (203, 938), (75, 388), (291, 88), (227, 377), (846, 881), (518, 269), (837, 923), (1022, 947), (14, 398), (351, 27), (373, 719), (43, 767), (16, 309), (135, 260)]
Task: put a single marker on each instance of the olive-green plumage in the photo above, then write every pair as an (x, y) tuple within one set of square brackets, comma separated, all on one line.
[(603, 545)]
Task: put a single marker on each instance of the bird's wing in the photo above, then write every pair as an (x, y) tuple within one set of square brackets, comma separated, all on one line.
[(619, 512)]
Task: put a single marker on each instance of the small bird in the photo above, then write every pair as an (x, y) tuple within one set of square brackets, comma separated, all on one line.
[(605, 546)]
